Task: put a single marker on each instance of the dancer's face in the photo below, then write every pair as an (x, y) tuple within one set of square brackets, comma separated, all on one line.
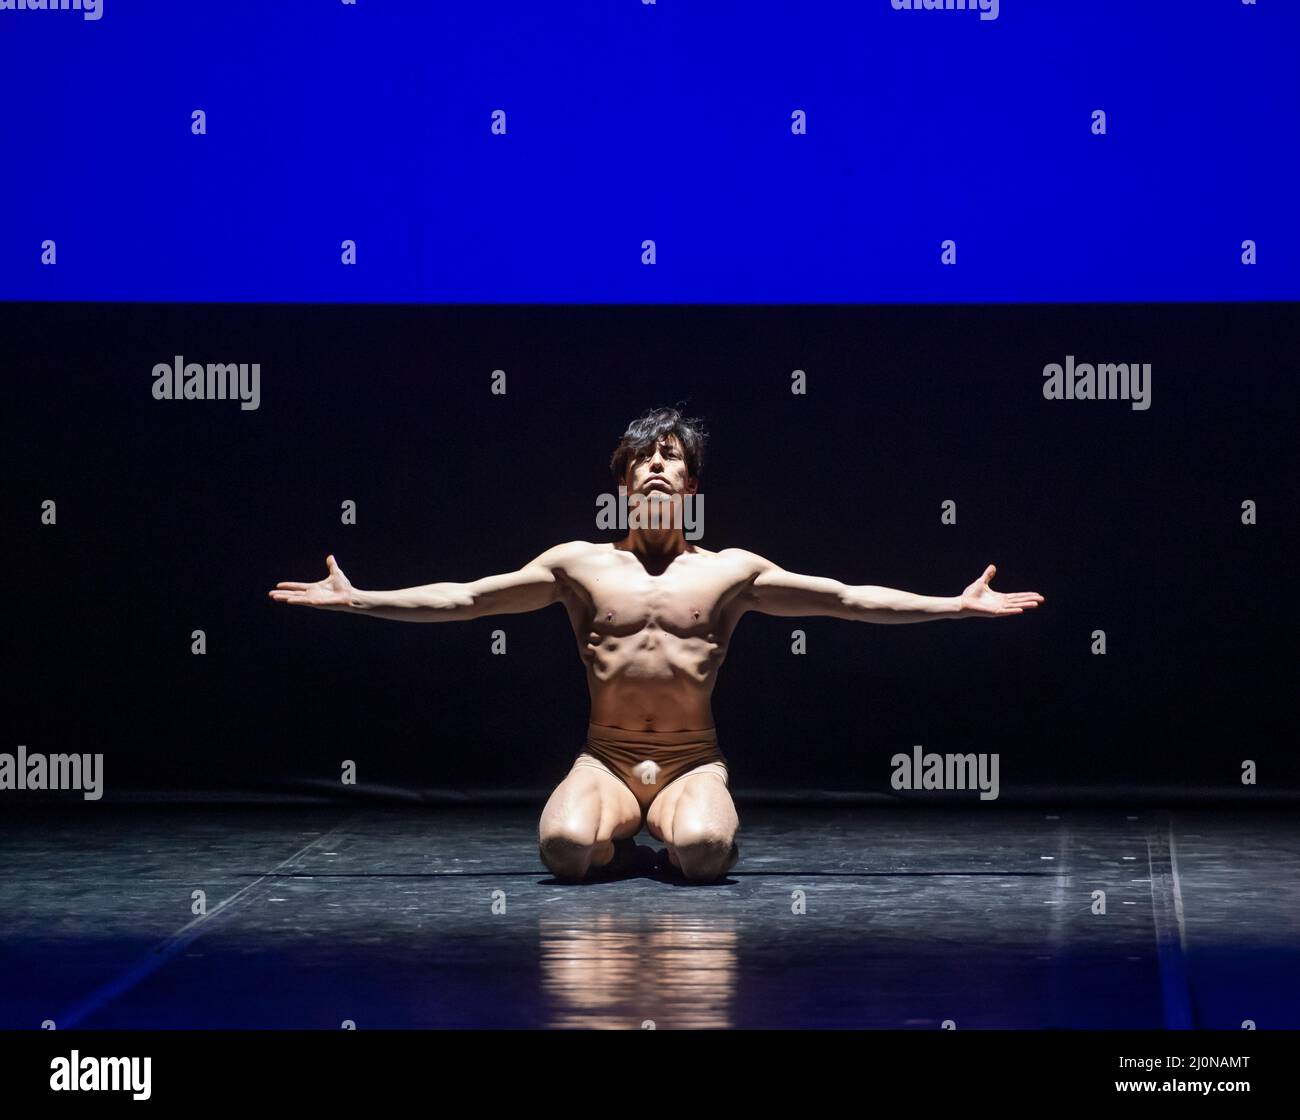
[(662, 470)]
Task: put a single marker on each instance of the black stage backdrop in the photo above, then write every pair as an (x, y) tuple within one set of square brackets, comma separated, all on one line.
[(179, 516)]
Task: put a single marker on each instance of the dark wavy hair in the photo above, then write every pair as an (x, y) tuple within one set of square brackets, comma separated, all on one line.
[(647, 430)]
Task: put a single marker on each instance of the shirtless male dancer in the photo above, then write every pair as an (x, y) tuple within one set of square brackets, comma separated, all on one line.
[(653, 615)]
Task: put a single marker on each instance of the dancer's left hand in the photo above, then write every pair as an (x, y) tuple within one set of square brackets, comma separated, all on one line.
[(980, 598)]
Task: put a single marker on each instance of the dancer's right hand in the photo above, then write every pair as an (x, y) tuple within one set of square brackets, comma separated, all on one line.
[(334, 592)]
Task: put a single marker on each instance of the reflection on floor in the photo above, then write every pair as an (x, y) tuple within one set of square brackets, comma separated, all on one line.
[(843, 917)]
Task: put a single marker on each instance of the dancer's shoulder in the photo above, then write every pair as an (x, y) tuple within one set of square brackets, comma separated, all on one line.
[(570, 551), (750, 560)]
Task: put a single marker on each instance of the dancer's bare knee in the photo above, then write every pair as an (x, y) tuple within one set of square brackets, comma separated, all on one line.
[(566, 856), (704, 855)]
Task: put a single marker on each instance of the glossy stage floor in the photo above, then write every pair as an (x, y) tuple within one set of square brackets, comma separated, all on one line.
[(850, 916)]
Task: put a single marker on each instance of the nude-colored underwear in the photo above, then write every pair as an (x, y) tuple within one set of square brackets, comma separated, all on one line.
[(647, 761)]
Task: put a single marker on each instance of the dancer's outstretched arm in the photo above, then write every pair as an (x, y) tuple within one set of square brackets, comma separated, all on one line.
[(773, 590), (531, 588)]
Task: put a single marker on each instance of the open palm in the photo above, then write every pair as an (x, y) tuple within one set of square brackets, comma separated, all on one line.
[(980, 598), (332, 592)]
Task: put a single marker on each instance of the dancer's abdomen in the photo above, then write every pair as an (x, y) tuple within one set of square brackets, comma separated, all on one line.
[(652, 681)]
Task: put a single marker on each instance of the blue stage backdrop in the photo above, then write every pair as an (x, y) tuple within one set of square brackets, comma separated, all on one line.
[(629, 151)]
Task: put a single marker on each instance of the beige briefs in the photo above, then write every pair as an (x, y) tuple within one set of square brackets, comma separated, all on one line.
[(647, 761)]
